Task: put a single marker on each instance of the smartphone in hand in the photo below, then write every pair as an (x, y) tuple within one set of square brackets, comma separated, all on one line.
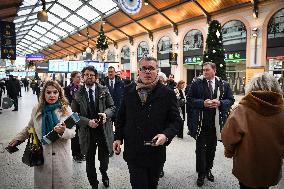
[(11, 149)]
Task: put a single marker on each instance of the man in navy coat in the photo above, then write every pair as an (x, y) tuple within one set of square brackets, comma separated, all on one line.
[(210, 99)]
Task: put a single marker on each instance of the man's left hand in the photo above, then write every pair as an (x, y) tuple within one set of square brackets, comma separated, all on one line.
[(160, 139), (215, 103), (104, 116)]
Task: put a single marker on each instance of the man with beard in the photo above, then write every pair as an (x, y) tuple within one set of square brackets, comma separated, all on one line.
[(148, 119), (95, 106)]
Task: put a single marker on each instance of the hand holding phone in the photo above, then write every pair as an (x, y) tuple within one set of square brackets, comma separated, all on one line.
[(150, 142), (11, 149)]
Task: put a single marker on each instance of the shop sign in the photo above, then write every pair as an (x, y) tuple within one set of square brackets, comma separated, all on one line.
[(8, 40), (193, 60), (173, 58), (234, 57), (34, 57), (250, 72)]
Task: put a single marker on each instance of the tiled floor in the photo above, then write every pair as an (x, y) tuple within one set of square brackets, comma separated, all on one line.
[(179, 168)]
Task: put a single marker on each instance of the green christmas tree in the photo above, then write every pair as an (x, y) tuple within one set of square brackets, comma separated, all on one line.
[(102, 43), (214, 51)]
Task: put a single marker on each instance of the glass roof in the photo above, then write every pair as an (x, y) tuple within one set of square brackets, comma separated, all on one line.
[(65, 17)]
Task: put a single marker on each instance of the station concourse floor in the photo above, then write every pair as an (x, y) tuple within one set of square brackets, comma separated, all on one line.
[(179, 167)]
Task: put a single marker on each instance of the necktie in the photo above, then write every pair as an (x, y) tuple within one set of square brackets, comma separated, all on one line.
[(92, 102), (210, 89), (111, 84)]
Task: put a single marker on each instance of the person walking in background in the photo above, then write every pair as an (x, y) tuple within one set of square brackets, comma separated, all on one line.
[(13, 87), (37, 88), (162, 78), (171, 82), (210, 98), (2, 90), (33, 84), (48, 115), (254, 134), (181, 103), (26, 84), (115, 86), (147, 121), (69, 92), (95, 106)]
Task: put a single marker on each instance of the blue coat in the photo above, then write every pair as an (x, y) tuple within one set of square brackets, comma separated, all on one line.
[(195, 100)]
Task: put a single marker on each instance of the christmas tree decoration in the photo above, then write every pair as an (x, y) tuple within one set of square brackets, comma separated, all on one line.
[(214, 51), (102, 43)]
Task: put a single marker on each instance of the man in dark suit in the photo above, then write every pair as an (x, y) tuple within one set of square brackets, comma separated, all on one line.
[(147, 121), (13, 88), (95, 106), (115, 86), (210, 99)]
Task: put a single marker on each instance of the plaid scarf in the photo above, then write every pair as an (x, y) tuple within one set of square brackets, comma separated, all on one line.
[(144, 90)]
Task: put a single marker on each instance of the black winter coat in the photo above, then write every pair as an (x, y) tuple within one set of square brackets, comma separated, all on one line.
[(137, 123)]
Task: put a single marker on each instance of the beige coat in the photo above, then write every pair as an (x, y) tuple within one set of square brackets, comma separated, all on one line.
[(56, 172), (254, 136)]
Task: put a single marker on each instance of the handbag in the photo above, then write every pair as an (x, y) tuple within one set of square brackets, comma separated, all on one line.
[(7, 103), (33, 154)]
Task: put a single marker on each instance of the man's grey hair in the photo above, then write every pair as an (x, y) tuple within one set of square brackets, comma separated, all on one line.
[(148, 58), (162, 75), (211, 64), (263, 82)]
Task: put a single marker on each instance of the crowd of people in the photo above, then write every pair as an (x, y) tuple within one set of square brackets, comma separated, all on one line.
[(146, 114)]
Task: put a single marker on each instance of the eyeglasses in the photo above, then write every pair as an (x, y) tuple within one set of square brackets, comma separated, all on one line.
[(89, 75), (149, 69)]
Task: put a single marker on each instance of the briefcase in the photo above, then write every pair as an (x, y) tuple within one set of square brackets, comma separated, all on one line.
[(7, 103)]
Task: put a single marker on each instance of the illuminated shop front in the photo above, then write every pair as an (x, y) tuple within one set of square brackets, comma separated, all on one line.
[(275, 46), (234, 41), (193, 54)]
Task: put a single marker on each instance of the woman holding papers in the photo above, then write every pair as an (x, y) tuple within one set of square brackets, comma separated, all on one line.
[(48, 115)]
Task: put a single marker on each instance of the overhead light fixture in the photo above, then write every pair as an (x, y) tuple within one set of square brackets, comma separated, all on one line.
[(146, 2), (42, 15), (88, 49)]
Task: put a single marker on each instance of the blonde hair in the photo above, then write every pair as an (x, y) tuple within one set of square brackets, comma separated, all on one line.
[(180, 83), (61, 98), (263, 82)]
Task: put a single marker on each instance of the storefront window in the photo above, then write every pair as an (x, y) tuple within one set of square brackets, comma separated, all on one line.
[(125, 58), (275, 46), (142, 50), (164, 47), (111, 55), (234, 41), (193, 54)]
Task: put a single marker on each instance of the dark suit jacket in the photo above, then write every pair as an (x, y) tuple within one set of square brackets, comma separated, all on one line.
[(136, 123), (196, 97)]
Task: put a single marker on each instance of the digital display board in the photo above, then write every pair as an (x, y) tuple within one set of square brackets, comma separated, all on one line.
[(73, 66), (99, 66), (80, 65), (63, 66)]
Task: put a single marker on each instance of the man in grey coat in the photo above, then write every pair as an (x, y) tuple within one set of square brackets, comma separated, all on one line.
[(95, 106)]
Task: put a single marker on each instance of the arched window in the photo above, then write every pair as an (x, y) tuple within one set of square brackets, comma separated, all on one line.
[(234, 32), (275, 46), (164, 47), (125, 58), (111, 55), (193, 40), (193, 47), (142, 50), (235, 40)]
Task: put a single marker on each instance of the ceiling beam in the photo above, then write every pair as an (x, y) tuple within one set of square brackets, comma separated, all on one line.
[(12, 5), (208, 16)]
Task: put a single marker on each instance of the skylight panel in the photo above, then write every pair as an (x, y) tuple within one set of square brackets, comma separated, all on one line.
[(39, 29), (103, 5), (45, 25), (20, 19), (30, 38), (46, 40), (34, 34), (24, 12), (87, 13), (41, 43), (66, 27), (52, 36), (53, 19), (30, 22), (59, 11), (71, 4), (59, 31), (76, 21)]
